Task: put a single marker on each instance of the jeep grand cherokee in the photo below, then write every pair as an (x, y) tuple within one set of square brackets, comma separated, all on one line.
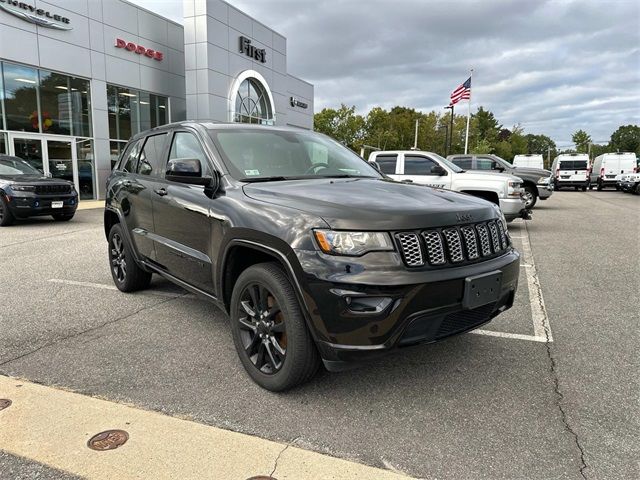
[(314, 254)]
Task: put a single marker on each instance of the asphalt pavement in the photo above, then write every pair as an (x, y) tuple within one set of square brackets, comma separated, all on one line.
[(505, 404)]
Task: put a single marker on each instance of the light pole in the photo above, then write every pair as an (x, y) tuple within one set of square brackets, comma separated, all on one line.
[(446, 150), (446, 136)]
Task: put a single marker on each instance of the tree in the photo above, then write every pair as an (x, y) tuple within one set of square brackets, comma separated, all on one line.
[(343, 125), (626, 139), (486, 125), (581, 139)]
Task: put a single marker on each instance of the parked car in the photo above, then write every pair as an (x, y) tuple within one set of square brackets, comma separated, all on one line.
[(27, 192), (315, 255), (536, 182), (607, 166), (630, 183), (428, 168), (529, 160), (571, 170)]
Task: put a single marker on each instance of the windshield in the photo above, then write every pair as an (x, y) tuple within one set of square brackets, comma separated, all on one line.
[(260, 155), (449, 164), (16, 166)]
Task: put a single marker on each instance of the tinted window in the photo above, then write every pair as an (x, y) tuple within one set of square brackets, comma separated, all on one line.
[(462, 162), (387, 163), (484, 163), (414, 165), (573, 165), (186, 145), (130, 158), (151, 155)]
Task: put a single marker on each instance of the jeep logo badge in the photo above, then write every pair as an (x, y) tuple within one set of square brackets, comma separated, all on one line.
[(464, 217)]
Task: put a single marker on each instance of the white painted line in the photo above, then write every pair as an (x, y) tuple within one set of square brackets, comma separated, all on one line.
[(541, 327), (516, 336), (102, 286)]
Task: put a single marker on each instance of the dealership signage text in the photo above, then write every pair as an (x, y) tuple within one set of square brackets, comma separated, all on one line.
[(38, 16), (139, 49), (258, 54)]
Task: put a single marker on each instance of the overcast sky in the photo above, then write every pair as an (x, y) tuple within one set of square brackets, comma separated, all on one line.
[(552, 66)]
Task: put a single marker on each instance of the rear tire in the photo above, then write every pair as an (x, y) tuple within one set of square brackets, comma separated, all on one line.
[(61, 217), (6, 217), (126, 273), (637, 189), (269, 329), (599, 187)]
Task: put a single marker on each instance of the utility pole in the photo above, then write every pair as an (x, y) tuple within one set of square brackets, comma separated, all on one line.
[(549, 155), (415, 142), (450, 147)]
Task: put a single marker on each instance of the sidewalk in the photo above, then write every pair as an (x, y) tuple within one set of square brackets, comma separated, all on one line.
[(90, 204)]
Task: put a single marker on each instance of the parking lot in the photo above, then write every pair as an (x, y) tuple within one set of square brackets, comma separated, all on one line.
[(547, 390)]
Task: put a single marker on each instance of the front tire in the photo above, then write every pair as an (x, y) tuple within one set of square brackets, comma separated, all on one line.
[(126, 273), (584, 189), (6, 217), (269, 329), (600, 186), (530, 196), (62, 217)]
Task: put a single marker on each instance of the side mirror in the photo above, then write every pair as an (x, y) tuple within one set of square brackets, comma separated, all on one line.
[(496, 166), (187, 170), (438, 170)]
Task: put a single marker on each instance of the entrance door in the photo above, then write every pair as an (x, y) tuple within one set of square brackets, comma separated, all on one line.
[(52, 156)]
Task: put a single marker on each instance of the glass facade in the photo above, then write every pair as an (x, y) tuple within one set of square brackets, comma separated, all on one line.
[(132, 111)]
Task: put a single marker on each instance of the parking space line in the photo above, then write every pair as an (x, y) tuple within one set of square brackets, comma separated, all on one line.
[(102, 286), (516, 336)]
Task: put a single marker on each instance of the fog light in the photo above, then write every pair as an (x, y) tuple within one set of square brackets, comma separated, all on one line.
[(36, 204)]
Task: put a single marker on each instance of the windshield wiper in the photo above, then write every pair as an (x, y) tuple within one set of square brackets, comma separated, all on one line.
[(274, 178), (343, 175)]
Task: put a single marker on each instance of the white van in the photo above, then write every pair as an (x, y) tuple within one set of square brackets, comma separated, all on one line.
[(529, 160), (608, 165), (571, 170)]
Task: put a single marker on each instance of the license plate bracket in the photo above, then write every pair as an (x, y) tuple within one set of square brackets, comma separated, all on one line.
[(482, 289)]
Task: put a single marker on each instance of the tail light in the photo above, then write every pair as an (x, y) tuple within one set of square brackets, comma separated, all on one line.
[(558, 172)]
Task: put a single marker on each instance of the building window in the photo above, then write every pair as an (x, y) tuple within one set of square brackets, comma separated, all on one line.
[(45, 102), (250, 100), (130, 112)]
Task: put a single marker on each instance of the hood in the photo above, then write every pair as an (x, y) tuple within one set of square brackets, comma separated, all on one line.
[(531, 171), (373, 204), (35, 179)]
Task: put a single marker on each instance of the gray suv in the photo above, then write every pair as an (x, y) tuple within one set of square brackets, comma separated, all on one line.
[(536, 181)]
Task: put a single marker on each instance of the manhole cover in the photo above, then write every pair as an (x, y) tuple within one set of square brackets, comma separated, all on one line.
[(108, 440), (4, 403)]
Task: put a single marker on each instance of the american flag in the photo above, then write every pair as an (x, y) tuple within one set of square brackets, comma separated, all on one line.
[(463, 92)]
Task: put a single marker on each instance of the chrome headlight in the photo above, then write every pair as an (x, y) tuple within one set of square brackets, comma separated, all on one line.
[(514, 189), (544, 180), (352, 243)]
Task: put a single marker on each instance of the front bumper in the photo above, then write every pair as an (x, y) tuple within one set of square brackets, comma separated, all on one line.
[(26, 204), (545, 190), (406, 306), (512, 207)]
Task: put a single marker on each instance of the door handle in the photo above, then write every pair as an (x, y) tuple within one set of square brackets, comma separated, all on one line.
[(161, 191)]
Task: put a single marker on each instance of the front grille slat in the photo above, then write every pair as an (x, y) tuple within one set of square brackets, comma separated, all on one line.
[(411, 249), (52, 189), (453, 245)]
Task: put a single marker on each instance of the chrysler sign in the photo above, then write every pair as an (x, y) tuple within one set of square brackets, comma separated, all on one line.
[(38, 16)]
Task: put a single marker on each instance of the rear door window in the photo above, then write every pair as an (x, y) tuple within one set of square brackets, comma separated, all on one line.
[(387, 163), (129, 160), (150, 162), (418, 165), (573, 165)]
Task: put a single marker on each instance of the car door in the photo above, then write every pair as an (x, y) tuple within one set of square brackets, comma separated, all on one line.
[(181, 218), (419, 169), (135, 199)]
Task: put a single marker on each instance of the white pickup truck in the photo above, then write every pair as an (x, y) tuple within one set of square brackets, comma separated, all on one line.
[(431, 169)]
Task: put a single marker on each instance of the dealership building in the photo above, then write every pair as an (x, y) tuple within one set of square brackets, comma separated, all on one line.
[(79, 77)]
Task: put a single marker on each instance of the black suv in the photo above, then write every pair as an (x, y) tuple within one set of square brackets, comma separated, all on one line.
[(314, 254), (27, 192)]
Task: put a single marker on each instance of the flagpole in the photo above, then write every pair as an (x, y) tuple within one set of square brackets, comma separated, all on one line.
[(466, 137)]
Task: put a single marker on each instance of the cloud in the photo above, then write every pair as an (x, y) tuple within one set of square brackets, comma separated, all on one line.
[(552, 66)]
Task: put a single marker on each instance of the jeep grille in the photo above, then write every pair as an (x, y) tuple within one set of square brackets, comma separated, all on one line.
[(453, 245)]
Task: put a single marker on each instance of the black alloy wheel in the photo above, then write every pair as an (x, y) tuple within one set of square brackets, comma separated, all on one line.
[(269, 329), (117, 257), (262, 329), (126, 273)]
